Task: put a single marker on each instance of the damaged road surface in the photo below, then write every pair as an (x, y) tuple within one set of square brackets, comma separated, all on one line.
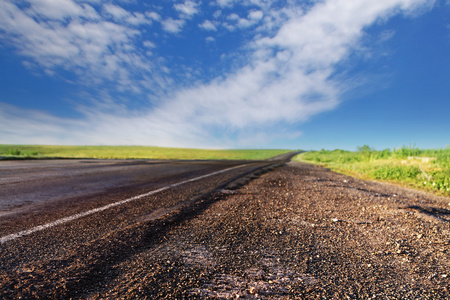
[(298, 231)]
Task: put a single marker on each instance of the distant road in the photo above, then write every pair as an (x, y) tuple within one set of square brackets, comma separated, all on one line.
[(36, 192)]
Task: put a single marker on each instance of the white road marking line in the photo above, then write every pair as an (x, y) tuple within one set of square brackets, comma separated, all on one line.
[(14, 236)]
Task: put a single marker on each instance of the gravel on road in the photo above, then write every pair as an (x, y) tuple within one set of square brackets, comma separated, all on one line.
[(297, 232)]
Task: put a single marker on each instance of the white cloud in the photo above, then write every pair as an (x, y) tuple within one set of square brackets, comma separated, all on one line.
[(419, 7), (287, 77), (225, 3), (138, 19), (253, 18), (35, 127), (386, 35), (97, 128), (173, 26), (290, 78), (229, 26), (244, 23), (55, 9), (255, 15), (187, 9), (233, 17), (149, 44), (208, 25), (153, 15), (262, 4), (116, 11), (72, 36), (132, 18)]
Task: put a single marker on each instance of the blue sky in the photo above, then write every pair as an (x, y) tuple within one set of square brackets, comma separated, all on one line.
[(226, 73)]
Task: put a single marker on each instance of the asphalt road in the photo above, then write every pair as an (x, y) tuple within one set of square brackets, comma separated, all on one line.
[(51, 209), (37, 192), (297, 232)]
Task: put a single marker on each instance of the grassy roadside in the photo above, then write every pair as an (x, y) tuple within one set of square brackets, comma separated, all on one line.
[(129, 152), (427, 170)]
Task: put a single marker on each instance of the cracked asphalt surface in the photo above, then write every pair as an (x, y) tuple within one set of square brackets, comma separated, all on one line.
[(296, 232)]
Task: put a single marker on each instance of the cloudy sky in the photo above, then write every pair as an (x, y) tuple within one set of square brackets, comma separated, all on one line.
[(299, 74)]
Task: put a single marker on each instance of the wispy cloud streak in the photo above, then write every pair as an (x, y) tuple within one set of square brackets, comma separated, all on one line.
[(97, 44), (288, 75)]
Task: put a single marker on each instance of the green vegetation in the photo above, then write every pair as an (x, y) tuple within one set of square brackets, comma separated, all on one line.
[(15, 152), (424, 169), (129, 152)]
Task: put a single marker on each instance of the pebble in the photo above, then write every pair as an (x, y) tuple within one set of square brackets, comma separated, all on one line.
[(207, 256)]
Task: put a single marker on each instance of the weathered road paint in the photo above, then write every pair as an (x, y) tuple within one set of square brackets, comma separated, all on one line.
[(17, 235)]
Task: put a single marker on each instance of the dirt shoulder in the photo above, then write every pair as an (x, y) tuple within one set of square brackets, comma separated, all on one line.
[(300, 231)]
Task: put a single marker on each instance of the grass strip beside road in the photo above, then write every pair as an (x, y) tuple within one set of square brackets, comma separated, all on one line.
[(131, 152), (427, 170)]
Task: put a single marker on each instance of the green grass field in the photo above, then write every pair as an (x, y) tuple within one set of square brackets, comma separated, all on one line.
[(408, 166), (129, 152)]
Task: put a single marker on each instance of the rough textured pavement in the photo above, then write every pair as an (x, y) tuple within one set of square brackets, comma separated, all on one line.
[(299, 231)]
